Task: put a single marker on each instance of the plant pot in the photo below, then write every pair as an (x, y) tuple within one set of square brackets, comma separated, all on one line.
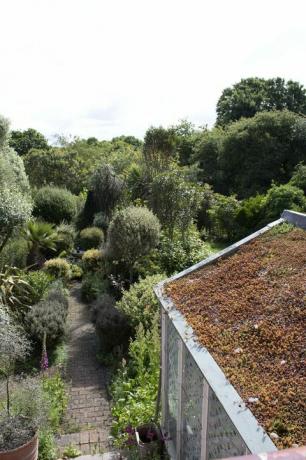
[(28, 451), (149, 440)]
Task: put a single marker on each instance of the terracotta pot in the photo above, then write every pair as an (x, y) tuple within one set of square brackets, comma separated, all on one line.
[(28, 451)]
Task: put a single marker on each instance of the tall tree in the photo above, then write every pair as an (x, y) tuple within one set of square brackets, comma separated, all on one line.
[(252, 95), (23, 141)]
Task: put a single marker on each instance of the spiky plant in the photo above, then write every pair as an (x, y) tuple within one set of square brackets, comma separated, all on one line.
[(40, 236)]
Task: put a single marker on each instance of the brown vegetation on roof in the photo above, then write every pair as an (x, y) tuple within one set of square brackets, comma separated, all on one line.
[(249, 311)]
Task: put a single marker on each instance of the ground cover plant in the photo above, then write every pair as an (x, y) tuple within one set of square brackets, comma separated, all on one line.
[(254, 329)]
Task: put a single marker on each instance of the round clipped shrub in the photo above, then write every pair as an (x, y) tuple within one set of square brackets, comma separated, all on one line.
[(59, 268), (90, 238), (76, 272), (132, 233), (47, 317), (92, 260), (55, 205), (283, 197)]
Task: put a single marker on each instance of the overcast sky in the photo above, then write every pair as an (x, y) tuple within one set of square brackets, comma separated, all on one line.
[(108, 67)]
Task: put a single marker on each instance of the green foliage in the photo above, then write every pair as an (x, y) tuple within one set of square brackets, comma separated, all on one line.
[(49, 315), (223, 214), (76, 272), (14, 253), (111, 324), (58, 268), (107, 189), (54, 205), (65, 238), (251, 214), (39, 283), (159, 149), (15, 292), (40, 237), (92, 260), (47, 446), (56, 393), (23, 141), (250, 153), (298, 178), (174, 201), (133, 232), (91, 237), (139, 303), (134, 387), (176, 255), (93, 284), (252, 95), (283, 197)]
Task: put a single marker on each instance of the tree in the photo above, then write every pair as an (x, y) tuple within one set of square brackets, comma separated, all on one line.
[(223, 214), (23, 141), (54, 205), (298, 178), (250, 153), (284, 197), (132, 140), (107, 189), (159, 149), (15, 200), (174, 201), (132, 233), (252, 95)]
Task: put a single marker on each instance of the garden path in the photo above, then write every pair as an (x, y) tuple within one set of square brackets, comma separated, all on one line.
[(88, 418)]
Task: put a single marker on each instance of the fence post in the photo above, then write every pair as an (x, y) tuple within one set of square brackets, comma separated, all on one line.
[(205, 399), (179, 398)]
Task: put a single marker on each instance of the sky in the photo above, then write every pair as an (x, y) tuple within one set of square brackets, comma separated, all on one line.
[(105, 68)]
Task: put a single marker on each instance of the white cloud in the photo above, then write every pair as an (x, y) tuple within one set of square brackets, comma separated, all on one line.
[(104, 68)]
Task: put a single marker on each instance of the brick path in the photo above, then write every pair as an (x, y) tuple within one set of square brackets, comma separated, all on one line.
[(88, 419)]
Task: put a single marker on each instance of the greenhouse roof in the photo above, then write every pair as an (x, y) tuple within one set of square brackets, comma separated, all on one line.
[(247, 309)]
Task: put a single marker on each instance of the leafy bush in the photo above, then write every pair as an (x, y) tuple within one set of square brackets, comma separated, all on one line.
[(54, 205), (92, 285), (132, 233), (251, 214), (59, 268), (76, 272), (90, 238), (56, 394), (48, 316), (223, 214), (111, 324), (134, 387), (177, 255), (283, 197), (65, 238), (139, 303), (14, 253), (47, 447), (39, 282), (92, 260), (298, 178)]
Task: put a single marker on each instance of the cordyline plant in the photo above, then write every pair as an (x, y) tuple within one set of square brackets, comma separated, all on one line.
[(14, 346)]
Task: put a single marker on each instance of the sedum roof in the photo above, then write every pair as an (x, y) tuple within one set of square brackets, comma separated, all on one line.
[(248, 310)]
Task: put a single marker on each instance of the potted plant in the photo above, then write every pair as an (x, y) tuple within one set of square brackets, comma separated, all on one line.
[(149, 440), (19, 416)]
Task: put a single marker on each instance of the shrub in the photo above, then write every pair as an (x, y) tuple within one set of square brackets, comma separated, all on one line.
[(39, 282), (139, 303), (76, 272), (135, 386), (14, 253), (92, 260), (54, 205), (111, 324), (251, 214), (283, 197), (132, 233), (299, 177), (223, 214), (59, 268), (92, 285), (65, 238), (41, 240), (90, 238), (58, 293), (177, 255), (47, 317)]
